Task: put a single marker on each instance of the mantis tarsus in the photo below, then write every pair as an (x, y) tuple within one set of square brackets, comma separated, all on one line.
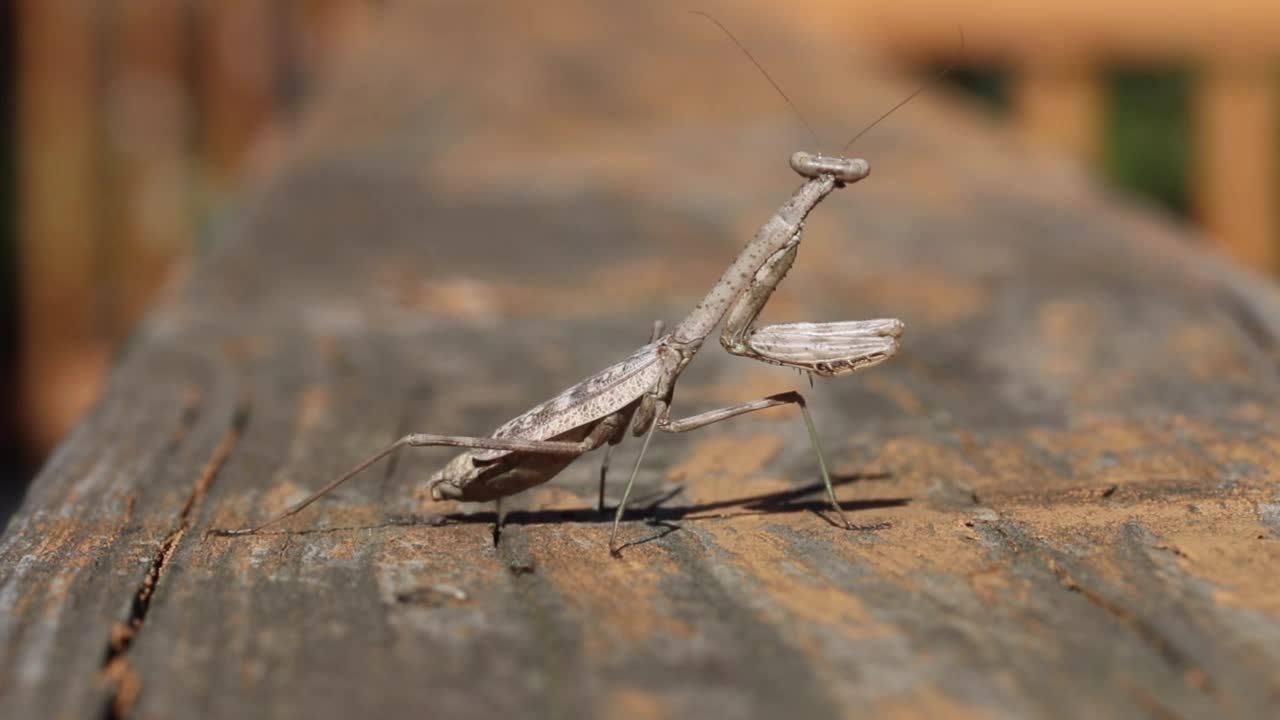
[(636, 393)]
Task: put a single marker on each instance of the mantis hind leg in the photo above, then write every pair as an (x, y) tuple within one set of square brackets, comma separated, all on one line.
[(548, 447)]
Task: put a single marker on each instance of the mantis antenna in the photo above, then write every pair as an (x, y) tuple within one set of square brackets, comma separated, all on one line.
[(941, 74), (799, 115)]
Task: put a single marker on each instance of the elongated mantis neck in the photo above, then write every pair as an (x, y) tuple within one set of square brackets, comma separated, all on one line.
[(770, 238)]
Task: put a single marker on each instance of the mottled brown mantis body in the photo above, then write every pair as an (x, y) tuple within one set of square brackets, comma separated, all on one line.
[(532, 448), (637, 392)]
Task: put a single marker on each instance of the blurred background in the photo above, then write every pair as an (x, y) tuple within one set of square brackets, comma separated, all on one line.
[(129, 127)]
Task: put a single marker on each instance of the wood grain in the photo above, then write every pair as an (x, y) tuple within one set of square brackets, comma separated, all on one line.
[(1075, 449)]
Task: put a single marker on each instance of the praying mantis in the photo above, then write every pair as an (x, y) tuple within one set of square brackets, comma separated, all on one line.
[(636, 394)]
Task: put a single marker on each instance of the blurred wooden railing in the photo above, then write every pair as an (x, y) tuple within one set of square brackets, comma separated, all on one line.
[(1058, 50), (138, 117)]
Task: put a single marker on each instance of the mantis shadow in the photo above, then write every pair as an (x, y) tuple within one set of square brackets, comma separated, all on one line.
[(655, 512), (658, 512)]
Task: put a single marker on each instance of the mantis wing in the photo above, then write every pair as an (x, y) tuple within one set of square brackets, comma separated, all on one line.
[(606, 392)]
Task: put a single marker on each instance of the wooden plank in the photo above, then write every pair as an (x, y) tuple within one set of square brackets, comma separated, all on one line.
[(150, 131), (1237, 131), (330, 28), (1073, 448), (1233, 45), (238, 93), (64, 349), (1059, 102)]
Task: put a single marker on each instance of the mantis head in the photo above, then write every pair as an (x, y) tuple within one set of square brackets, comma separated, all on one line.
[(844, 170)]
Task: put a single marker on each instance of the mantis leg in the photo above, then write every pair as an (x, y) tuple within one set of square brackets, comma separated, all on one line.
[(626, 494), (550, 447), (787, 398), (654, 334), (827, 349), (604, 473), (742, 316), (666, 424)]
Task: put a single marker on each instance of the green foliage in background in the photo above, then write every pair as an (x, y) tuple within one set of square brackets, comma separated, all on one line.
[(1147, 134), (991, 86)]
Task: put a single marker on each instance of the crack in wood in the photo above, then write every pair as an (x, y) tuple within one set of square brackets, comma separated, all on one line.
[(124, 682), (1193, 675), (192, 404), (1013, 539)]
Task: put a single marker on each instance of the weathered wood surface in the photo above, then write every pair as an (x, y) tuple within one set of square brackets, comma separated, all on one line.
[(1076, 448)]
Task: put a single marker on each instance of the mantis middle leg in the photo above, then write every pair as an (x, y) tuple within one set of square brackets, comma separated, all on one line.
[(666, 424), (654, 334)]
